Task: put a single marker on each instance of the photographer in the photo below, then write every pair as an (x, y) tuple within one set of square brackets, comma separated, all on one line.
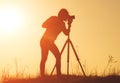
[(54, 26)]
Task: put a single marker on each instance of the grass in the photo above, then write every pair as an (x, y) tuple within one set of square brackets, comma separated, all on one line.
[(112, 77), (66, 79)]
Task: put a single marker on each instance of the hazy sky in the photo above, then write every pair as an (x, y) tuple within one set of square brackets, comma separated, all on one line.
[(95, 33)]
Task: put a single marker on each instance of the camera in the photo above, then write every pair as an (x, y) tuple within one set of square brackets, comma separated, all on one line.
[(71, 17)]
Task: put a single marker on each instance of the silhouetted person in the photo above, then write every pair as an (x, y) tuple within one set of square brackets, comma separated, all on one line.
[(54, 26)]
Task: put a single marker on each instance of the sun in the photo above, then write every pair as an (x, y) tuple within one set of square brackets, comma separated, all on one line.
[(10, 19)]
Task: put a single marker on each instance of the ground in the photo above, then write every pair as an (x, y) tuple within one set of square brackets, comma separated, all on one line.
[(67, 79)]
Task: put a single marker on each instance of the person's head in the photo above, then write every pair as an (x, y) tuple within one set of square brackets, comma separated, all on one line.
[(63, 14)]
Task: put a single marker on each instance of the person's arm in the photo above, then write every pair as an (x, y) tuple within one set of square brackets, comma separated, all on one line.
[(65, 30)]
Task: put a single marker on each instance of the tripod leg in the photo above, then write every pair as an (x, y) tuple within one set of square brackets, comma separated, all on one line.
[(60, 54), (68, 55), (78, 59)]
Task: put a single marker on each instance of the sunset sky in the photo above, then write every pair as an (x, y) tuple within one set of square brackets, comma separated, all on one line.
[(95, 33)]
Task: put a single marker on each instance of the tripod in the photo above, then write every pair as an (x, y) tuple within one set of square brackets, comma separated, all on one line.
[(68, 43)]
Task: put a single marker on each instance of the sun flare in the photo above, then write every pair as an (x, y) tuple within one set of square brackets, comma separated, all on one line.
[(10, 19)]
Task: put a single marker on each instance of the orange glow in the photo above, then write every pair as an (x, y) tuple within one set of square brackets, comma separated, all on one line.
[(95, 33)]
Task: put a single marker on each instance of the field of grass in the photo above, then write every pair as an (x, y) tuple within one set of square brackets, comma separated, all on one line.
[(66, 79), (112, 77)]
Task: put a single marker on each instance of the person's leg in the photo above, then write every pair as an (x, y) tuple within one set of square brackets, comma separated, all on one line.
[(55, 51), (44, 54)]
